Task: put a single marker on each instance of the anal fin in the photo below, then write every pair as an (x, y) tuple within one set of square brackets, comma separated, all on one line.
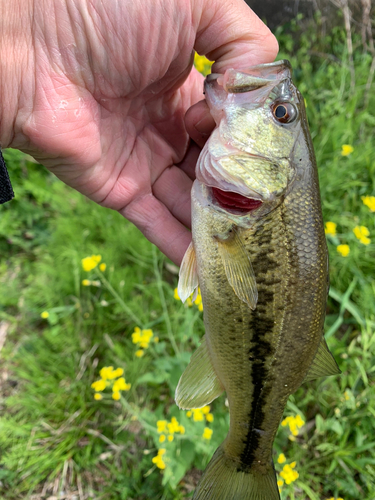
[(198, 385), (324, 363)]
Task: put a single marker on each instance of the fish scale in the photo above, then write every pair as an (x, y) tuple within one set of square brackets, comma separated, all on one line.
[(263, 279)]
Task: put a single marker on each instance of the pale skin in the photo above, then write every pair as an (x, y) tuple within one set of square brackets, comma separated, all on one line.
[(103, 95)]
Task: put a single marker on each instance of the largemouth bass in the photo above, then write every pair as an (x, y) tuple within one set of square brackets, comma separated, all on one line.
[(259, 255)]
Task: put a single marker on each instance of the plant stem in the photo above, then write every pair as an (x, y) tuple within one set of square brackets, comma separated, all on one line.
[(163, 302), (126, 308)]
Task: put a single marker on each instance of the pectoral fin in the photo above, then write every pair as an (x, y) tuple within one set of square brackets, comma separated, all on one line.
[(324, 363), (188, 280), (198, 385), (238, 268)]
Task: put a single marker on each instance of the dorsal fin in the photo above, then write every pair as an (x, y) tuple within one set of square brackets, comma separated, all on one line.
[(324, 363)]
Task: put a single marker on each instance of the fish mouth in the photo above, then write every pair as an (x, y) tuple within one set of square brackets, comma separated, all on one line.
[(232, 201)]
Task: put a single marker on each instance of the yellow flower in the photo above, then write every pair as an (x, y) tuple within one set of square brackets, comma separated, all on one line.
[(207, 433), (209, 417), (86, 282), (299, 421), (142, 337), (139, 353), (362, 233), (198, 415), (344, 250), (161, 425), (45, 315), (369, 201), (198, 301), (288, 473), (107, 373), (103, 267), (136, 335), (189, 300), (90, 263), (202, 64), (121, 385), (98, 396), (173, 426), (330, 228), (281, 458), (99, 385), (295, 423), (158, 460), (346, 149), (116, 395), (347, 395)]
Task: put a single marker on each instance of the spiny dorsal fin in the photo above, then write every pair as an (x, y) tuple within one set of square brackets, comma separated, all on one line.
[(238, 268), (188, 280), (198, 385), (324, 363)]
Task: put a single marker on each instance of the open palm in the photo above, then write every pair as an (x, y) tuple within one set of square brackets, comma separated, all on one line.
[(104, 105)]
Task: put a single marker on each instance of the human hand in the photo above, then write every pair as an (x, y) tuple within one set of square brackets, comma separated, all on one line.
[(98, 91)]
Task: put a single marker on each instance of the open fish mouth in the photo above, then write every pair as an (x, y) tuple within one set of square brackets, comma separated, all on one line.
[(232, 201)]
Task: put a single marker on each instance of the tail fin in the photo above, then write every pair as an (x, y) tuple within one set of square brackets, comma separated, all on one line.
[(222, 480)]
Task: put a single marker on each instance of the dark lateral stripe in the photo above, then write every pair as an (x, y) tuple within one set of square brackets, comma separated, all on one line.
[(261, 323)]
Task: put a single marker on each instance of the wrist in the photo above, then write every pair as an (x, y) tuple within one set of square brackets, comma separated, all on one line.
[(16, 66)]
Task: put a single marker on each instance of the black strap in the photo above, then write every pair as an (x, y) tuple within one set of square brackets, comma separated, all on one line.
[(6, 190)]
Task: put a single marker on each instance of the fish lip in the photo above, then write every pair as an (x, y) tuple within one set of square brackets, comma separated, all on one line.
[(279, 69)]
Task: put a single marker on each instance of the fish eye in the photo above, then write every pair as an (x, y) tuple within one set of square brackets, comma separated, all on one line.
[(284, 112)]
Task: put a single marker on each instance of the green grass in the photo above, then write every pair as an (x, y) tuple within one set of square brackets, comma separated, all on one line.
[(55, 437)]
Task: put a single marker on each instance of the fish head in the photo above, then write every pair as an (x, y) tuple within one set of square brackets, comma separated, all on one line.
[(251, 153)]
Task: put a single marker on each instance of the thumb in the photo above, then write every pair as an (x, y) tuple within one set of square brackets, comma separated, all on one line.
[(233, 36)]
